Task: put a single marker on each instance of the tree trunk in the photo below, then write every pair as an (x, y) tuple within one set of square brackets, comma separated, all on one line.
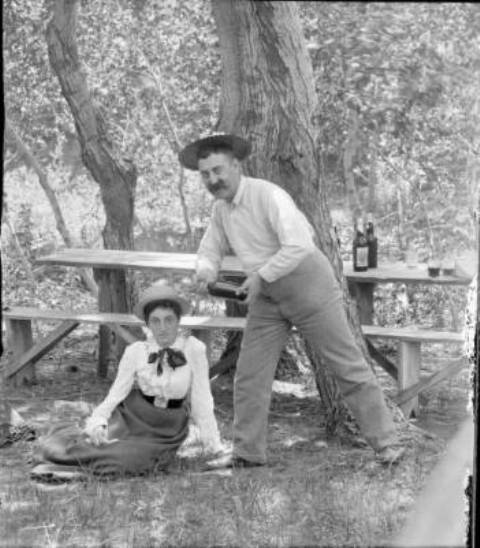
[(268, 96), (372, 176), (116, 176), (351, 145)]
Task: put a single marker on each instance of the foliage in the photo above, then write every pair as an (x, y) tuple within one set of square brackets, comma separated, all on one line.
[(408, 72), (117, 44), (352, 501)]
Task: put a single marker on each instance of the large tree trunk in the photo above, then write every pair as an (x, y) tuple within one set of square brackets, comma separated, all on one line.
[(268, 96), (115, 176)]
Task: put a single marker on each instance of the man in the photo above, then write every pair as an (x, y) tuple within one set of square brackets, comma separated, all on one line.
[(289, 282)]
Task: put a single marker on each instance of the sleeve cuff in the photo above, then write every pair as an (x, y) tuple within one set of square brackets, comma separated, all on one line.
[(93, 422), (213, 445), (265, 274), (205, 264)]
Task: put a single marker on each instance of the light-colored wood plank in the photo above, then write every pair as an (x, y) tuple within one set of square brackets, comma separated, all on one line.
[(23, 312), (41, 348), (412, 334), (119, 259), (185, 262), (409, 360), (399, 272), (192, 322), (223, 322), (19, 341)]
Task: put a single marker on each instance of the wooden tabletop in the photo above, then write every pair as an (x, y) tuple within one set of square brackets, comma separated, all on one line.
[(185, 263), (139, 260)]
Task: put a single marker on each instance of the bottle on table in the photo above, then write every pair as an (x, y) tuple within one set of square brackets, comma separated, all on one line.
[(411, 256), (360, 248), (337, 237), (372, 243)]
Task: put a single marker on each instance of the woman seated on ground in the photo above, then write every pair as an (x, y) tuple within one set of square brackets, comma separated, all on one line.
[(139, 426)]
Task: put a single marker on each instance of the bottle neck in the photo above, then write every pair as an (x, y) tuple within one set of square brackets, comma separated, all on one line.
[(359, 227)]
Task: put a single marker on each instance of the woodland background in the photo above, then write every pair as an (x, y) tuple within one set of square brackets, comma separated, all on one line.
[(398, 118), (397, 124)]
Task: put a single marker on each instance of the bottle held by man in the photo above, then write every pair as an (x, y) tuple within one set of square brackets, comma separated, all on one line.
[(360, 248), (372, 243)]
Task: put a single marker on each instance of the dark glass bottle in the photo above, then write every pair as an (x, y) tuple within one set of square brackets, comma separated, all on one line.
[(337, 237), (227, 290), (372, 243), (360, 248)]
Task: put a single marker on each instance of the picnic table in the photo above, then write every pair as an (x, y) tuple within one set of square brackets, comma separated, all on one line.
[(361, 284)]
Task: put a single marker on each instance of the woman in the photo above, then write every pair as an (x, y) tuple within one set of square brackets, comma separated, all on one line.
[(160, 384)]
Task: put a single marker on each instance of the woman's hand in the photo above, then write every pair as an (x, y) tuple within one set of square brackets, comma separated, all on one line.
[(98, 435)]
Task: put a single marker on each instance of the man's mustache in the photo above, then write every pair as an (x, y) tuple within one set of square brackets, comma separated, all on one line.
[(213, 187)]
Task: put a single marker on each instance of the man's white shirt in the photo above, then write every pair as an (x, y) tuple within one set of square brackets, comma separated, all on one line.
[(262, 226)]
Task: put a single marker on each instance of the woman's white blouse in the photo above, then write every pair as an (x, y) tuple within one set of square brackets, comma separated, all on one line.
[(190, 379)]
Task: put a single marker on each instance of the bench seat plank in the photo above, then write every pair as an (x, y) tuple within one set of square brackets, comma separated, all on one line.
[(412, 334), (410, 338), (224, 322), (27, 313)]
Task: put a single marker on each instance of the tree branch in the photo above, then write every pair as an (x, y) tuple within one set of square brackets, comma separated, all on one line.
[(154, 77), (116, 176), (33, 164)]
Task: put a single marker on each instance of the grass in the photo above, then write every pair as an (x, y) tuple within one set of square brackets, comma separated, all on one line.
[(312, 494), (316, 504)]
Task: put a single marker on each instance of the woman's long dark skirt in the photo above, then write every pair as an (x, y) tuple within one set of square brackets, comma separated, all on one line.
[(148, 438)]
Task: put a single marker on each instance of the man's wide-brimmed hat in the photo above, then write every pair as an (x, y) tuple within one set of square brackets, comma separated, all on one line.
[(189, 155), (159, 292)]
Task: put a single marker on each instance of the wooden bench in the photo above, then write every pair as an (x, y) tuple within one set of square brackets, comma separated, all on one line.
[(107, 261), (20, 341)]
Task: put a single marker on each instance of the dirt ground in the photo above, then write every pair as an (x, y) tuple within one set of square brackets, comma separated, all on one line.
[(315, 491)]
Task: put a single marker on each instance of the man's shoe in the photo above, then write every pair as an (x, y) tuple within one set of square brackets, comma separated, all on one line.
[(390, 455), (229, 461)]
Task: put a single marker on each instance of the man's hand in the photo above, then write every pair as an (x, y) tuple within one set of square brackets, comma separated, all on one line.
[(203, 277), (252, 286)]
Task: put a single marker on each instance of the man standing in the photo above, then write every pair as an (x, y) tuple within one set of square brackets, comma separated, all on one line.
[(289, 282)]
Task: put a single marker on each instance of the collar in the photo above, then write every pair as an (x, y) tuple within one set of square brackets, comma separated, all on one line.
[(152, 346), (240, 192)]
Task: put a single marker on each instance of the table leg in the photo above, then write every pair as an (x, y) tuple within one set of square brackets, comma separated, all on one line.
[(363, 295), (19, 340), (409, 359), (111, 298)]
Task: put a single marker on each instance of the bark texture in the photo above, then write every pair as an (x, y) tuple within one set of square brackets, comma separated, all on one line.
[(115, 176), (268, 96)]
